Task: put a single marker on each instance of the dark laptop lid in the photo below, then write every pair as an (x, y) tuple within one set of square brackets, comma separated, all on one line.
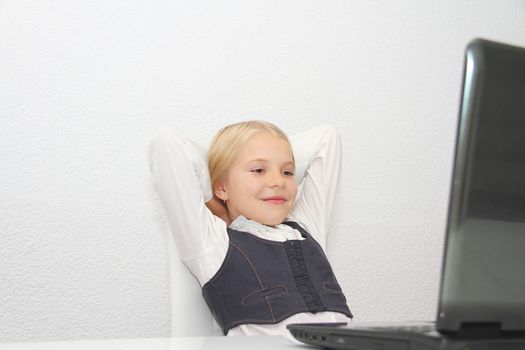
[(483, 278)]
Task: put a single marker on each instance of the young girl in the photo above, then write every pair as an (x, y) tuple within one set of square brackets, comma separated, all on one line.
[(253, 227)]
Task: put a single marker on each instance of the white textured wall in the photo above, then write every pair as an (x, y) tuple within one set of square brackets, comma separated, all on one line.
[(84, 84)]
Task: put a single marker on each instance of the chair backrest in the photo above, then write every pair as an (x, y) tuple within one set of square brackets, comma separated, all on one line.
[(189, 314)]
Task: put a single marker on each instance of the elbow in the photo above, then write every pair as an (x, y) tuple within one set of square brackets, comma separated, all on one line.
[(158, 143), (332, 137)]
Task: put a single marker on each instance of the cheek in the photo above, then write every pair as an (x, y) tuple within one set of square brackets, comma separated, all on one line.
[(293, 187), (255, 187), (245, 187)]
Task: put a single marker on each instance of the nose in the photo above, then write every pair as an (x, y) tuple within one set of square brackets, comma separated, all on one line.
[(275, 179)]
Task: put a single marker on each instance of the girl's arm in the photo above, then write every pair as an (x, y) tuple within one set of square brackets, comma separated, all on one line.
[(181, 179), (318, 166), (218, 209)]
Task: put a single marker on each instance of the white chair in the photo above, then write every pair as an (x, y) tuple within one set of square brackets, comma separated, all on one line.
[(189, 314)]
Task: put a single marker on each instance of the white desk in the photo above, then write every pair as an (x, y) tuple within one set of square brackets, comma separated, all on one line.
[(176, 343)]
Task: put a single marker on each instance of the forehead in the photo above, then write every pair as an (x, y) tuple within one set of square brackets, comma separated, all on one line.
[(267, 146)]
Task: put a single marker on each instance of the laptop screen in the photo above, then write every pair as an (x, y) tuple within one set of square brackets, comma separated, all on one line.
[(483, 281)]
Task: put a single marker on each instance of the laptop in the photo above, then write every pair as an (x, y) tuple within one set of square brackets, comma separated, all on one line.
[(482, 292)]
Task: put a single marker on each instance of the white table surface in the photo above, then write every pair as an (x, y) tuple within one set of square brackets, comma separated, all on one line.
[(175, 343)]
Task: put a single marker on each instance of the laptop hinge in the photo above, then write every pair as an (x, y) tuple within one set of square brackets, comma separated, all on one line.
[(480, 329)]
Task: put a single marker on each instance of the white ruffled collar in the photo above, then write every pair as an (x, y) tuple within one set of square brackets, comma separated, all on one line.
[(280, 232)]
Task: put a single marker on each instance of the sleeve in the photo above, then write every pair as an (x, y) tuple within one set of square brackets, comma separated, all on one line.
[(181, 179), (317, 155)]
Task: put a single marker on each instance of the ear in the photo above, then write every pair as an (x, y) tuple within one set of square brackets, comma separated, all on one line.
[(221, 191)]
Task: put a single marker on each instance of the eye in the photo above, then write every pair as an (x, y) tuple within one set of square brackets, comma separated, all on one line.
[(257, 170), (288, 173)]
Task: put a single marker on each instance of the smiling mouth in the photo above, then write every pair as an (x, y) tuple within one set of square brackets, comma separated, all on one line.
[(275, 200)]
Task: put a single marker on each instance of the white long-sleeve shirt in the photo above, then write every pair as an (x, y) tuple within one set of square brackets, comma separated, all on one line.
[(181, 178)]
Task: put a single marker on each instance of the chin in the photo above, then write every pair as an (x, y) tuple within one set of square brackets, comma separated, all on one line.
[(268, 217), (272, 221)]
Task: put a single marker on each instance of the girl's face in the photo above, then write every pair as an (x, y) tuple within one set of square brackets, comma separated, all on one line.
[(260, 183)]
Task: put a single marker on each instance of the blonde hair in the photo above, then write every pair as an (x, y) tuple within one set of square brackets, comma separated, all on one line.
[(226, 144)]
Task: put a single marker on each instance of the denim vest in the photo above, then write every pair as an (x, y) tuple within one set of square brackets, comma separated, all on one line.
[(265, 282)]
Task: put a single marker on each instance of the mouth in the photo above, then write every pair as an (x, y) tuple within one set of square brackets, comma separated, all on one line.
[(275, 200)]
